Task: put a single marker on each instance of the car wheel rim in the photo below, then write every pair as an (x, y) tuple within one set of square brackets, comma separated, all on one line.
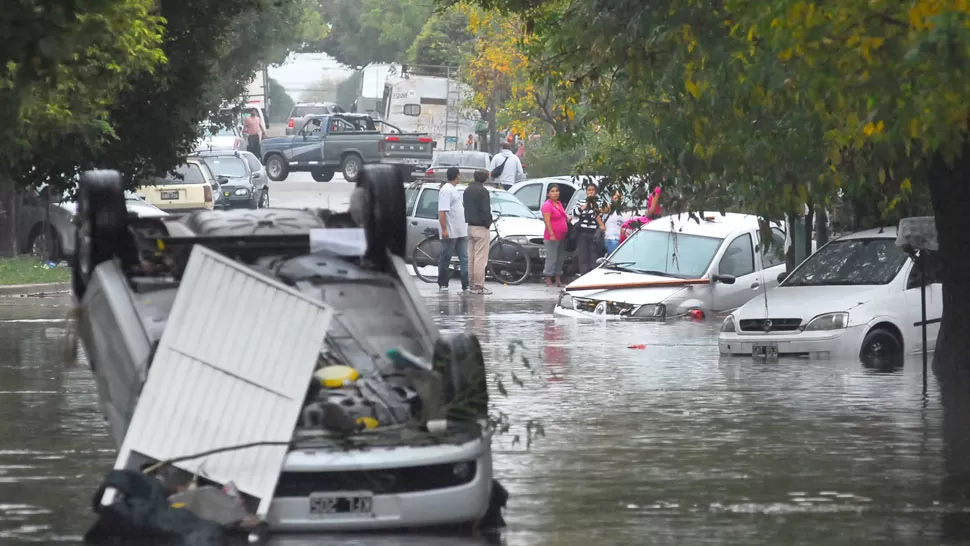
[(274, 167), (351, 168)]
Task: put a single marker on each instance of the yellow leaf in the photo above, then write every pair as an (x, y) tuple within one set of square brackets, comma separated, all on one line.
[(785, 55), (882, 176), (692, 88), (906, 185)]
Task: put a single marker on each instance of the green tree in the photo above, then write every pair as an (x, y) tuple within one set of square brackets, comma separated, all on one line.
[(368, 31), (444, 40), (348, 90), (281, 101)]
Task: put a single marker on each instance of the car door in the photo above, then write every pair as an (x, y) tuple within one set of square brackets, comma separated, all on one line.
[(425, 216), (531, 195), (308, 143), (738, 261), (913, 314), (259, 173), (772, 257)]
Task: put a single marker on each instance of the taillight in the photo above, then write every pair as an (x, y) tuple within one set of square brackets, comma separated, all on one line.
[(292, 123), (429, 173), (207, 192), (392, 139), (424, 140)]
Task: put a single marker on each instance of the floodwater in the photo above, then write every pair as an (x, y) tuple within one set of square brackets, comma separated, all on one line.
[(668, 444)]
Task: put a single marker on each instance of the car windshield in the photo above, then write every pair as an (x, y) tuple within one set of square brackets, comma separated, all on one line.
[(232, 167), (300, 111), (850, 262), (665, 253), (474, 160)]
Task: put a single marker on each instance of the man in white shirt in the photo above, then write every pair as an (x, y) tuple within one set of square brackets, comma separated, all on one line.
[(509, 165), (453, 231)]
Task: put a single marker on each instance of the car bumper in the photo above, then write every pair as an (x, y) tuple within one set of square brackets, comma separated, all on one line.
[(845, 342), (234, 202), (458, 504)]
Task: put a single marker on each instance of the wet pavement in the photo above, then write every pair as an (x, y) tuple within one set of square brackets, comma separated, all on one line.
[(663, 445)]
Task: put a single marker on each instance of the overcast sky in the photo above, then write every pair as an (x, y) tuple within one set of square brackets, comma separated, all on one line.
[(301, 72)]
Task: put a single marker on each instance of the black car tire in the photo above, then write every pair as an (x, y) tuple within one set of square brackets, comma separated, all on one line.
[(263, 202), (351, 167), (322, 176), (387, 225), (460, 362), (278, 163), (102, 232), (880, 344)]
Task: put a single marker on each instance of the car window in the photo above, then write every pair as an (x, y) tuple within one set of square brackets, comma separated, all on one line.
[(738, 259), (254, 164), (773, 254), (232, 167), (300, 111), (666, 253), (471, 160), (530, 195), (566, 193), (427, 204), (190, 173), (934, 269), (850, 262), (410, 196)]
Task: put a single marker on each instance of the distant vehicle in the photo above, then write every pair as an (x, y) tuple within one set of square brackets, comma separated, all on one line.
[(221, 138), (238, 186), (857, 295), (676, 266), (425, 100), (57, 241), (532, 192), (466, 161), (195, 188), (326, 143), (302, 110)]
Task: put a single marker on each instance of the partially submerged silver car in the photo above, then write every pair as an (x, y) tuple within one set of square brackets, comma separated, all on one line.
[(182, 315)]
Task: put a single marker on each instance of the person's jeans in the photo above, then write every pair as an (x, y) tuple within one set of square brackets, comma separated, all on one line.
[(478, 240), (449, 247), (555, 257), (611, 245), (587, 250), (253, 146)]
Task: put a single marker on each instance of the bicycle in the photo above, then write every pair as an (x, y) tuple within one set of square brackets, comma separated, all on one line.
[(508, 261)]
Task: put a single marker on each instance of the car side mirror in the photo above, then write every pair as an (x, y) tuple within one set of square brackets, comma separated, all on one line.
[(782, 276), (222, 179), (724, 279), (600, 260)]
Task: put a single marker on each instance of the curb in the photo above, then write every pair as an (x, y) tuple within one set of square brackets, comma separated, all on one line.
[(25, 290)]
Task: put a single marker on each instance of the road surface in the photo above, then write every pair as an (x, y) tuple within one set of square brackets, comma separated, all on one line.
[(299, 191)]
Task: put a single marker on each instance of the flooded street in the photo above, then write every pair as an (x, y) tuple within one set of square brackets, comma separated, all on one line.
[(668, 444)]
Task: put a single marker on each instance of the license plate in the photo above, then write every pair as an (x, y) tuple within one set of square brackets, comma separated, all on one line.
[(360, 503), (172, 195), (764, 350), (542, 253)]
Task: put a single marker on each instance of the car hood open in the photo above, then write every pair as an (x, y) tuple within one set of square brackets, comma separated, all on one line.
[(602, 278)]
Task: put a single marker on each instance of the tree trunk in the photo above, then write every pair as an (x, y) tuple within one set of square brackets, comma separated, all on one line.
[(8, 217), (950, 193), (821, 226), (809, 224), (492, 129)]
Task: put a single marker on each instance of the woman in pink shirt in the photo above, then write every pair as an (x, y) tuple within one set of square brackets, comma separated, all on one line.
[(554, 238)]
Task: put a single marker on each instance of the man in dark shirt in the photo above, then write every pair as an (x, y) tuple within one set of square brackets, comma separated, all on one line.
[(478, 214)]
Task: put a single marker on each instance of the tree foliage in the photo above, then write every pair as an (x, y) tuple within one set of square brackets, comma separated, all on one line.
[(444, 40), (369, 31), (280, 100)]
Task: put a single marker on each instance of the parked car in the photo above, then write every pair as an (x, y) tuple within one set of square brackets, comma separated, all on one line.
[(217, 138), (467, 162), (260, 177), (353, 397), (238, 185), (193, 187), (516, 222), (324, 144), (676, 265), (56, 242), (301, 110), (858, 294), (532, 192)]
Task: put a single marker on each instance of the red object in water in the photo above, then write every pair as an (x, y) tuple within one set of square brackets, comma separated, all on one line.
[(697, 314), (641, 346)]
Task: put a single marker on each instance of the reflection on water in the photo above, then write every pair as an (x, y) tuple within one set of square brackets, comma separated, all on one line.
[(662, 445)]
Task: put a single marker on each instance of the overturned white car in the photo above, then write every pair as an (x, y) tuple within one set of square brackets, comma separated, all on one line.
[(313, 381)]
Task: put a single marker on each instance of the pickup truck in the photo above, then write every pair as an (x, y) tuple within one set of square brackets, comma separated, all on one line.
[(327, 143)]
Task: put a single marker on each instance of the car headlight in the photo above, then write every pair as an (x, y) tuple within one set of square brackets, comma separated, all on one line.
[(651, 310), (828, 321), (728, 324), (566, 301), (242, 191), (520, 239)]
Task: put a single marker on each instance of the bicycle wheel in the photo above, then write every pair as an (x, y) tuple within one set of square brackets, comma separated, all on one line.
[(424, 259), (508, 262)]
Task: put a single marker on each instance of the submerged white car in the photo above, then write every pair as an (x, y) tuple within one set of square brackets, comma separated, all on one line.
[(219, 330), (858, 295), (676, 265)]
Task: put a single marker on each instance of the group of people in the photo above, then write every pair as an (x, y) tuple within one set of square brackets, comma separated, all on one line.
[(596, 228), (465, 221)]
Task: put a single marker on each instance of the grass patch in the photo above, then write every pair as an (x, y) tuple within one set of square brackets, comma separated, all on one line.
[(30, 270)]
